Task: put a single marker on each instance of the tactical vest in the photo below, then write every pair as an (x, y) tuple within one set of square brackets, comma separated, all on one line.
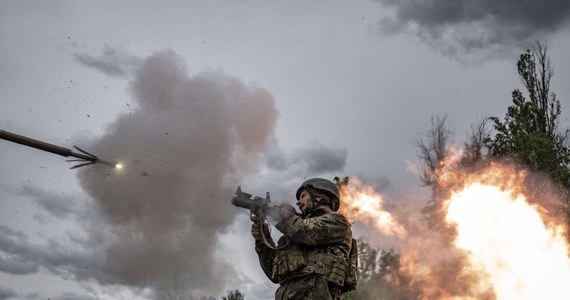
[(327, 262)]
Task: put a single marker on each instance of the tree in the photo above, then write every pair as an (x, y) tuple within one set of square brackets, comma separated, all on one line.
[(433, 148), (529, 132), (474, 148), (380, 276)]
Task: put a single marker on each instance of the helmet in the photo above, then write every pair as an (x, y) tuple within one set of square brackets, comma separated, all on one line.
[(323, 185)]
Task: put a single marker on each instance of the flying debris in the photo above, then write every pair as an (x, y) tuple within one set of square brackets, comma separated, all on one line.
[(82, 157)]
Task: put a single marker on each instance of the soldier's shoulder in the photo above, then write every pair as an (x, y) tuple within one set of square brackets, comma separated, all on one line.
[(337, 217)]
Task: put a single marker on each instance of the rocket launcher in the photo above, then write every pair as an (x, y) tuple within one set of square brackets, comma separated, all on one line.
[(259, 207), (83, 157)]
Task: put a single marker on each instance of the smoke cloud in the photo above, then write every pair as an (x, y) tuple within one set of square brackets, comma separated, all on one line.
[(467, 25), (315, 159), (183, 149), (113, 62)]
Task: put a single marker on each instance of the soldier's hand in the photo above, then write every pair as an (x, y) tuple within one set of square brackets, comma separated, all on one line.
[(278, 212), (288, 209), (256, 219), (256, 231)]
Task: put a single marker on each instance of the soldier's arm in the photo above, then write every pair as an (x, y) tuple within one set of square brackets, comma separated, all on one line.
[(264, 253), (265, 256), (326, 229)]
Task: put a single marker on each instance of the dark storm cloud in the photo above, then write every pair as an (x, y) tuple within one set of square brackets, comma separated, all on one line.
[(75, 257), (55, 257), (187, 138), (59, 206), (321, 159), (315, 159), (6, 293), (18, 267), (477, 24), (74, 296), (112, 62)]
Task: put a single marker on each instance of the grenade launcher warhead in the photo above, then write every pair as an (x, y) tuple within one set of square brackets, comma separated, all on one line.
[(82, 157), (257, 206)]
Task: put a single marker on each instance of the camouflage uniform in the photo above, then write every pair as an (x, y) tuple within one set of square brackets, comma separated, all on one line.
[(314, 263)]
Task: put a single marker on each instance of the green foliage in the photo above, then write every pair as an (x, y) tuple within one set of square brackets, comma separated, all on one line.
[(529, 132), (367, 261), (380, 276), (348, 296)]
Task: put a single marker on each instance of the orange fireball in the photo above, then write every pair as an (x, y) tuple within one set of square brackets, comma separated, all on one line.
[(362, 203), (501, 234), (506, 239)]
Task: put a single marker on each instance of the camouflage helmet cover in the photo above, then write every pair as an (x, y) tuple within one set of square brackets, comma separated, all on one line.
[(323, 185)]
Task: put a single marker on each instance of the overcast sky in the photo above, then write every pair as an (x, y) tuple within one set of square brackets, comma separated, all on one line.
[(197, 97)]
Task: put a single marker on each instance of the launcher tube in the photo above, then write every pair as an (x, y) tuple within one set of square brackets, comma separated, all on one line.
[(20, 139)]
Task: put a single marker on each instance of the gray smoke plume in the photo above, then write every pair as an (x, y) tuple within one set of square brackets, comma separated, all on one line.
[(314, 159), (472, 25), (183, 148), (113, 62)]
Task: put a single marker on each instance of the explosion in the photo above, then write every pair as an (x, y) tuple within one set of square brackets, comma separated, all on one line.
[(518, 247), (502, 235), (362, 203)]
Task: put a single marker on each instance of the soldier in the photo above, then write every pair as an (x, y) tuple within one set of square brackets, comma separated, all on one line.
[(311, 259)]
